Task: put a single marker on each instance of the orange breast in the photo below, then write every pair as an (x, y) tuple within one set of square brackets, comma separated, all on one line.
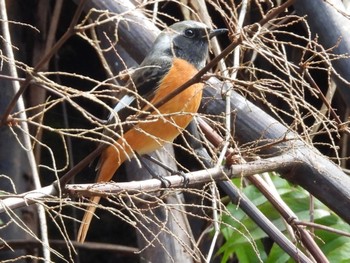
[(174, 115)]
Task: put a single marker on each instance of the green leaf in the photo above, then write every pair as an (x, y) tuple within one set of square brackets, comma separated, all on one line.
[(240, 232), (277, 255), (247, 253)]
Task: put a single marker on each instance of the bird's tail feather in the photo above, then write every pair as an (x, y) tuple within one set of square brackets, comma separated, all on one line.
[(85, 224), (108, 164)]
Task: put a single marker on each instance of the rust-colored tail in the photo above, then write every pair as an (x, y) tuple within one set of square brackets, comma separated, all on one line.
[(109, 163), (85, 224)]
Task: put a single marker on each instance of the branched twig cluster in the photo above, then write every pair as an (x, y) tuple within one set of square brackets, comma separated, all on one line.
[(279, 69)]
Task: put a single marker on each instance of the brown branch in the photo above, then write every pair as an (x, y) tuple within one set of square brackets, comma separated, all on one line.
[(305, 237), (80, 166), (30, 244), (323, 98), (150, 185), (177, 181), (320, 227)]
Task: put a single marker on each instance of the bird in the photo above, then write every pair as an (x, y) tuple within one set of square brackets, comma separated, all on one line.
[(177, 54)]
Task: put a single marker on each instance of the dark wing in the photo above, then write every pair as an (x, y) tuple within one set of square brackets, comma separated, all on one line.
[(146, 79), (142, 85), (144, 82)]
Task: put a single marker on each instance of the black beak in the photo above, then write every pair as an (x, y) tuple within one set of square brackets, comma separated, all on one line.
[(216, 32)]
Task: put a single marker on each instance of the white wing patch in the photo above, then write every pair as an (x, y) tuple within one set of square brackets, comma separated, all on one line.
[(123, 103)]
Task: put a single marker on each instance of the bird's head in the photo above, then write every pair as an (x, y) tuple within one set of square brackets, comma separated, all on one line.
[(188, 40)]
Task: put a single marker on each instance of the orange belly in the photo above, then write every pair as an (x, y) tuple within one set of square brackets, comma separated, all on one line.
[(164, 126)]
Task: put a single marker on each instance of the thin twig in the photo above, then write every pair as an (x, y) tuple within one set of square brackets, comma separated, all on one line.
[(20, 104), (282, 209), (31, 244), (70, 32), (102, 189), (320, 227)]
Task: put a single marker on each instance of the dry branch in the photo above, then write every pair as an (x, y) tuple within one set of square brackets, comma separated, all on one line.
[(151, 185), (311, 170), (255, 132), (328, 19)]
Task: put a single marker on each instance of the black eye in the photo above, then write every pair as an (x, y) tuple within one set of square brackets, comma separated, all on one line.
[(190, 33)]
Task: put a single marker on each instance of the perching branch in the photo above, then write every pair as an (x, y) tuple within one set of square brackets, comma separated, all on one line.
[(151, 185)]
